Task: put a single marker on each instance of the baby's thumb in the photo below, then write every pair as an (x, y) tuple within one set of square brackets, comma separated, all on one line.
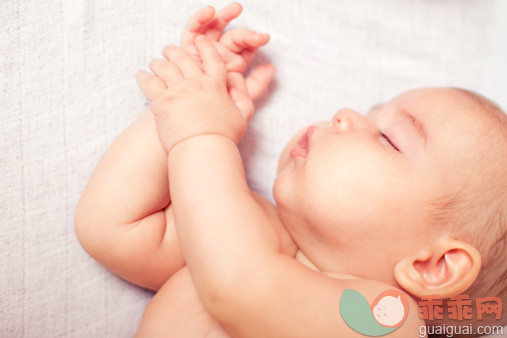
[(243, 102)]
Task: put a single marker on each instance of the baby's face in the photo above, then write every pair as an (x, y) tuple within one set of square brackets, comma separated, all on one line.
[(351, 195)]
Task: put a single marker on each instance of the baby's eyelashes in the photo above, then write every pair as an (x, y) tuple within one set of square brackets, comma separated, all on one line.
[(386, 138)]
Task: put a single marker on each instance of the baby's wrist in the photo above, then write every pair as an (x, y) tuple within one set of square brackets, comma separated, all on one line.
[(195, 139), (189, 144)]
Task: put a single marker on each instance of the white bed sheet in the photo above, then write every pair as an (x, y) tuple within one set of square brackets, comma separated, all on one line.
[(67, 90)]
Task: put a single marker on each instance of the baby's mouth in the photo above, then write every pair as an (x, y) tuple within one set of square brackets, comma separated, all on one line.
[(301, 148)]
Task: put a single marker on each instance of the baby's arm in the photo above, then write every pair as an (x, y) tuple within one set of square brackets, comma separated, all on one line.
[(121, 219), (124, 217)]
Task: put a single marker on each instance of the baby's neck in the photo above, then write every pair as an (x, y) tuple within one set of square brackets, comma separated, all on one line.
[(301, 258)]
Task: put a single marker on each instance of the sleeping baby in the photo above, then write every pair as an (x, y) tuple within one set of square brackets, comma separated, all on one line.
[(373, 213)]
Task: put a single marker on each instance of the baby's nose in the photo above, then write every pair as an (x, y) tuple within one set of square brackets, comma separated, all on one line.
[(343, 120)]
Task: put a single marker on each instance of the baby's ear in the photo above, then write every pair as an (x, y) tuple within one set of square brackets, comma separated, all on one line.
[(446, 270)]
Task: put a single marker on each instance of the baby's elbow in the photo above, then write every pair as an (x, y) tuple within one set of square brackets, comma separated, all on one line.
[(231, 300), (85, 228), (81, 228), (212, 299), (216, 300)]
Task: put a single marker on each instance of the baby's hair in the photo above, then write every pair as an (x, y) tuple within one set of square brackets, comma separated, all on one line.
[(477, 213)]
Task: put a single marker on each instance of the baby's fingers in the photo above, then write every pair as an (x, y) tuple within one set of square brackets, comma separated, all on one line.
[(150, 85), (238, 39), (206, 22), (165, 70), (195, 24), (239, 94), (259, 80), (212, 63), (187, 65), (224, 16)]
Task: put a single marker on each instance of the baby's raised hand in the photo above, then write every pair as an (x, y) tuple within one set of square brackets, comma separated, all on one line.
[(236, 46), (189, 101)]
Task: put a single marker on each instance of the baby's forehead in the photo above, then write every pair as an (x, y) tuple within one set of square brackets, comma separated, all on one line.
[(450, 109), (449, 99), (460, 125)]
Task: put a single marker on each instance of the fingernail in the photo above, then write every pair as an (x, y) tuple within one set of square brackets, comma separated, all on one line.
[(200, 37), (257, 36)]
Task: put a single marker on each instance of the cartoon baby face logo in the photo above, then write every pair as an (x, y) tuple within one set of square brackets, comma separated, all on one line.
[(387, 312), (388, 308)]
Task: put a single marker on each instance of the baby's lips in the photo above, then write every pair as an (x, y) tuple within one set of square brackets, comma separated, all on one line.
[(301, 148), (307, 137), (310, 132)]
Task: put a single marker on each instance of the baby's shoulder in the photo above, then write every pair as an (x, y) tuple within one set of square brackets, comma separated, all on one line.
[(388, 303)]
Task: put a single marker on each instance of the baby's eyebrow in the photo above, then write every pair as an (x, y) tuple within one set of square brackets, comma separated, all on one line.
[(416, 123)]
